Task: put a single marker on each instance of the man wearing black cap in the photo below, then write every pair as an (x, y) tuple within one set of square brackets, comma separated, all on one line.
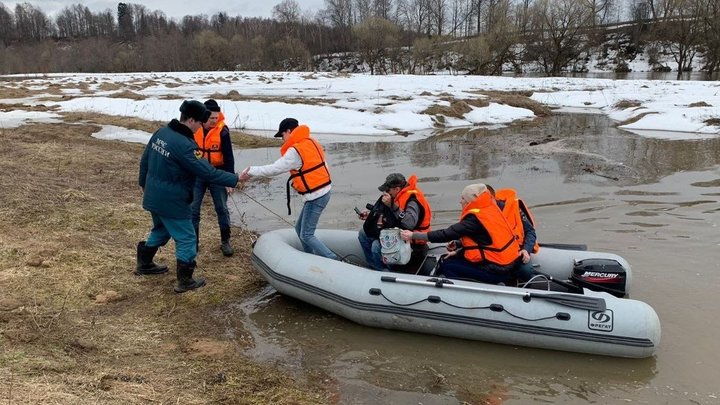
[(168, 168), (213, 139), (304, 158), (402, 205)]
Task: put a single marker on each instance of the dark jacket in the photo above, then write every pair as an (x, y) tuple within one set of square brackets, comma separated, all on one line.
[(168, 168), (468, 226)]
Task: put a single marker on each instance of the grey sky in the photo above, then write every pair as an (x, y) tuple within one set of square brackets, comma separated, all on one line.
[(177, 8)]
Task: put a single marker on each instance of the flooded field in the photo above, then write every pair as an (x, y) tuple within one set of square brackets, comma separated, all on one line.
[(652, 201)]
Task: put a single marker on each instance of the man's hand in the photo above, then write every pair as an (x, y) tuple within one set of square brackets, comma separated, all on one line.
[(406, 235), (363, 215), (525, 256), (451, 246), (244, 176), (386, 199), (230, 189)]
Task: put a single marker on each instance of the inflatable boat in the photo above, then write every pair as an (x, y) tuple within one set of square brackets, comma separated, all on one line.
[(567, 308)]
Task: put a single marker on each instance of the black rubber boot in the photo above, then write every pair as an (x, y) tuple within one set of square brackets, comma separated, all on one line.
[(145, 265), (227, 250), (185, 281)]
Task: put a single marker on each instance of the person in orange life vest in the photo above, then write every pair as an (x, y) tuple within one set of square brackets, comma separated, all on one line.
[(487, 250), (168, 168), (304, 158), (516, 213), (213, 140), (404, 206)]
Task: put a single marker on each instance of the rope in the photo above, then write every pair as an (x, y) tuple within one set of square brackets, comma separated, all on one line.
[(262, 205)]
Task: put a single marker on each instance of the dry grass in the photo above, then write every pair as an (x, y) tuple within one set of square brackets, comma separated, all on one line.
[(624, 104), (713, 121), (26, 107), (700, 104), (456, 109), (128, 94), (76, 326), (635, 118), (109, 86), (117, 120), (16, 92), (234, 95)]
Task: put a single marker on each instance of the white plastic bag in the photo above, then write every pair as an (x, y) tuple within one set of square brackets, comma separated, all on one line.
[(394, 250)]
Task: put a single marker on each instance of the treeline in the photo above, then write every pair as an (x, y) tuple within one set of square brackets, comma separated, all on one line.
[(384, 36)]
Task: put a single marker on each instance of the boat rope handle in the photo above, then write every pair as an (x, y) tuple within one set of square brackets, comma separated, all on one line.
[(434, 299)]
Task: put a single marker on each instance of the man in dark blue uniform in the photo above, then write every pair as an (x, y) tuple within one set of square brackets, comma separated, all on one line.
[(168, 169)]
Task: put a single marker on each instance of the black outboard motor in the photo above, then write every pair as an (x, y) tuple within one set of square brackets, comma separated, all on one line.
[(604, 275)]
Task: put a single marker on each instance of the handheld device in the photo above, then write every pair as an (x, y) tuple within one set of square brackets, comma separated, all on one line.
[(357, 210)]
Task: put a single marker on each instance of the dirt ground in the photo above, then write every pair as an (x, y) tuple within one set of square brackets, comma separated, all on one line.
[(76, 326)]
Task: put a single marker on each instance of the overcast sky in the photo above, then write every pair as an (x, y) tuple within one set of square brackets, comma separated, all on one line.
[(177, 8)]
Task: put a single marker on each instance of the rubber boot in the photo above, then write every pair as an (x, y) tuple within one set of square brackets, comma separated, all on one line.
[(227, 250), (145, 265), (185, 281)]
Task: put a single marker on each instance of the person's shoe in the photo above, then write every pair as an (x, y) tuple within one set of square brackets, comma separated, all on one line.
[(227, 250), (145, 265), (185, 281)]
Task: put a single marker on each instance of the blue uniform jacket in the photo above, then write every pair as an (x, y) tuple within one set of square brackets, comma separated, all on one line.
[(168, 168)]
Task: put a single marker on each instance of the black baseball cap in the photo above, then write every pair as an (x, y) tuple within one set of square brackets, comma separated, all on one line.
[(393, 180), (287, 123)]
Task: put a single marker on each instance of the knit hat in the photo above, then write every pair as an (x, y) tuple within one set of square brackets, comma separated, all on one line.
[(393, 180), (472, 191), (212, 105), (287, 123), (195, 110)]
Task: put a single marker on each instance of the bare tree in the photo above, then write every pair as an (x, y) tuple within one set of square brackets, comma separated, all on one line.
[(680, 32), (709, 10), (286, 12), (415, 15), (339, 12), (558, 38), (598, 10), (6, 25), (383, 8), (32, 23), (438, 16), (373, 36)]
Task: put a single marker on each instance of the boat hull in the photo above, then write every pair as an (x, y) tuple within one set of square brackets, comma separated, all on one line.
[(500, 314)]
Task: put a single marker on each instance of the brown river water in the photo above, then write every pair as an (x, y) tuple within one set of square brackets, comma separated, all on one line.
[(652, 201)]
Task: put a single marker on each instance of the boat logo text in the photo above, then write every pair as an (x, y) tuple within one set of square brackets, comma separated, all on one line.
[(601, 320)]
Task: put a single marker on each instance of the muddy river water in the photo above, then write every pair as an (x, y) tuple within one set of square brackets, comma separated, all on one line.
[(652, 201)]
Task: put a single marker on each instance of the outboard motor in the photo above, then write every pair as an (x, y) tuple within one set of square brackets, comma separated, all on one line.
[(604, 275)]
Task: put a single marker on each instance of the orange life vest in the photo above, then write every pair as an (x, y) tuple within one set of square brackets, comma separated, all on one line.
[(504, 248), (314, 174), (209, 144), (411, 191), (511, 211)]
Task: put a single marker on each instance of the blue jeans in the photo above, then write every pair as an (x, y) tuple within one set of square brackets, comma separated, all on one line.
[(181, 230), (219, 196), (307, 223), (371, 249), (459, 268)]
